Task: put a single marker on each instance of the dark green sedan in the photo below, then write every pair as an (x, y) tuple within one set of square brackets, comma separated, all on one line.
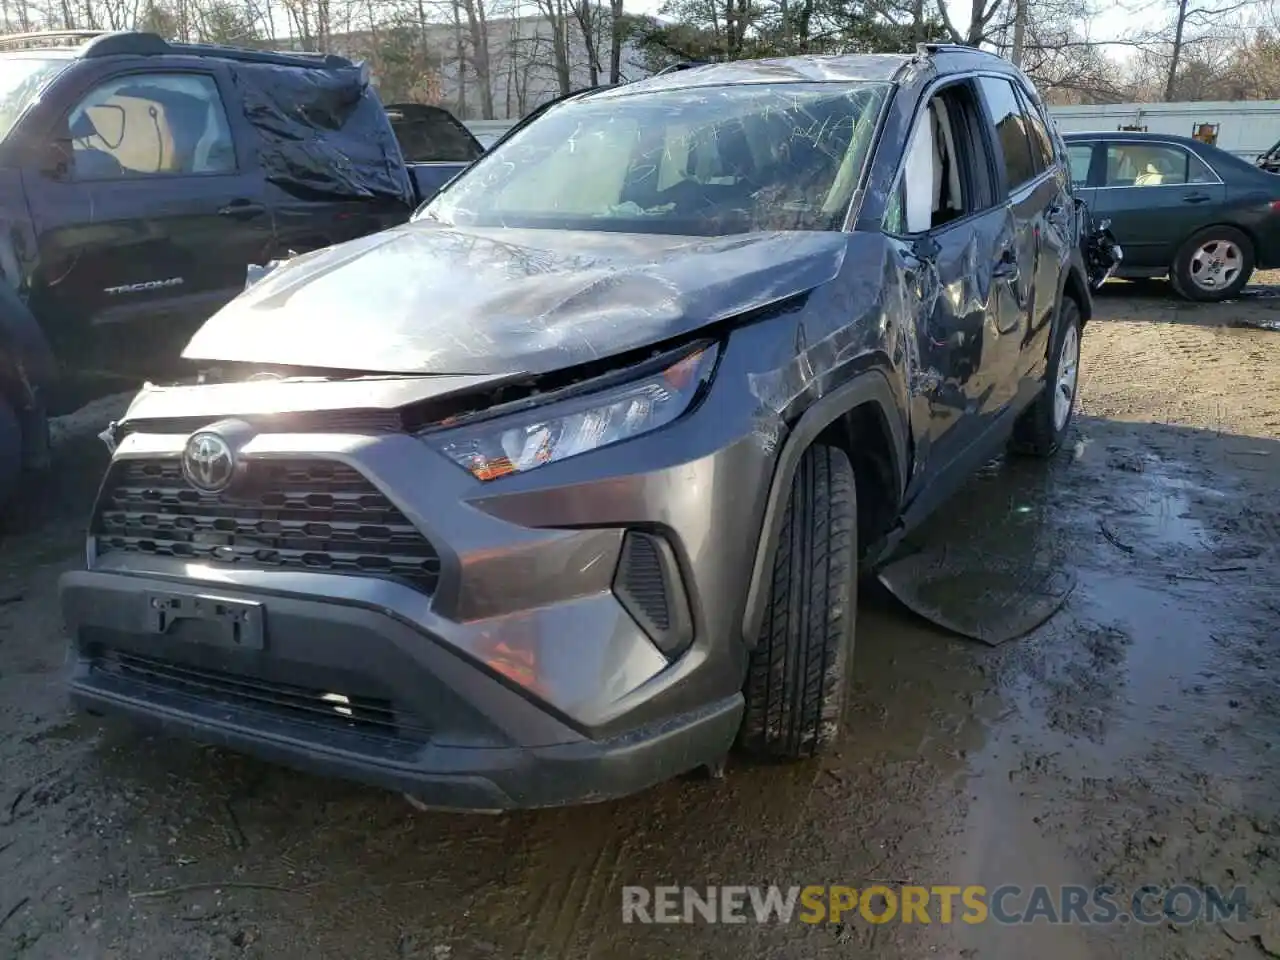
[(1180, 208)]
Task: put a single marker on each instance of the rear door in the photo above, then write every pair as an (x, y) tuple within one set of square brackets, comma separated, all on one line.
[(1027, 193), (1053, 224), (1156, 194), (149, 222), (436, 145)]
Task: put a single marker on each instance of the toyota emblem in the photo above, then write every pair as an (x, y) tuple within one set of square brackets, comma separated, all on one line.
[(208, 462)]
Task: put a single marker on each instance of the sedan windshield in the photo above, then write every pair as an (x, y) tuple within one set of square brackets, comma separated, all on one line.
[(21, 80), (707, 161)]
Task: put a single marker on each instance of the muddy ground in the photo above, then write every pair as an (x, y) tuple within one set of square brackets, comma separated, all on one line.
[(1131, 739)]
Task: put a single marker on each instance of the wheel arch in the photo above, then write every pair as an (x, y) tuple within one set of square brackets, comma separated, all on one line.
[(1075, 286), (862, 418)]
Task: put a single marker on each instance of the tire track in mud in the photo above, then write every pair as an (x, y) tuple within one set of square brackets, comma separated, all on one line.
[(1145, 361), (575, 900)]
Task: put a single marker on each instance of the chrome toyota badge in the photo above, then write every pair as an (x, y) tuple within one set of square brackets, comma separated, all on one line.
[(208, 462)]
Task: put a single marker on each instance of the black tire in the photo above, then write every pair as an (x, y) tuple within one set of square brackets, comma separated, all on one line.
[(1180, 273), (798, 674), (10, 452), (1037, 432)]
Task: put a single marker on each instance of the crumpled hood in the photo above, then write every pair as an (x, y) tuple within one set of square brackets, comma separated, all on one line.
[(426, 298)]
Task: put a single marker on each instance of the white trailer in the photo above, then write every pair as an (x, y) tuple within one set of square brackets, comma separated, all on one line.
[(1247, 128)]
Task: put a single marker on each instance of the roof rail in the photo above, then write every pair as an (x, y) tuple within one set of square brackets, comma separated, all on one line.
[(47, 36), (940, 46), (125, 43), (282, 58)]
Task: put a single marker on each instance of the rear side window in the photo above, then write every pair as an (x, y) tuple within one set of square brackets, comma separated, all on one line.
[(1079, 158), (1041, 144), (1011, 131), (151, 125), (1154, 165)]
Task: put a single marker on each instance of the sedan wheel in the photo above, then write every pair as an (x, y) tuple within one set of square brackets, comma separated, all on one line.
[(1215, 264)]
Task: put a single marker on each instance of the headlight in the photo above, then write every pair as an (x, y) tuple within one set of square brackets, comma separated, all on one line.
[(518, 442)]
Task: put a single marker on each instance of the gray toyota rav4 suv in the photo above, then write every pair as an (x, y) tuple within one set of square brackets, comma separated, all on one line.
[(562, 488)]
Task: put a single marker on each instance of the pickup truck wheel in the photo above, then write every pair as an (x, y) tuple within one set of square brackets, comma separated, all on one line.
[(1042, 426), (1214, 264), (797, 677), (10, 452)]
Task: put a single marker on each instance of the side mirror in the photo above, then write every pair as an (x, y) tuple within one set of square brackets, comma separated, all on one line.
[(924, 247), (56, 160)]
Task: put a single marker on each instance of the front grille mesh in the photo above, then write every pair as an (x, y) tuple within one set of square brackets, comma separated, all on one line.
[(295, 514), (364, 714)]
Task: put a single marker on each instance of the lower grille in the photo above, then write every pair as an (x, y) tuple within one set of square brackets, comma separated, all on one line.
[(648, 584), (641, 577), (323, 708), (299, 514)]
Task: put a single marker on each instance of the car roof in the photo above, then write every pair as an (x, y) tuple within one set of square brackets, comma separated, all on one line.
[(96, 44), (1134, 135), (814, 68)]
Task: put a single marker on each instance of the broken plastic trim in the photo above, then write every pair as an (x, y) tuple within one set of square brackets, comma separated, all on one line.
[(259, 271), (509, 441)]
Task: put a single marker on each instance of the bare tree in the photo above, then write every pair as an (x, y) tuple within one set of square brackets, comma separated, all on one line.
[(1019, 31), (979, 29), (589, 16), (557, 14), (615, 40), (478, 34)]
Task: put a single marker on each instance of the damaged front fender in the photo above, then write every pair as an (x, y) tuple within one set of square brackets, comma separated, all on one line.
[(1098, 246)]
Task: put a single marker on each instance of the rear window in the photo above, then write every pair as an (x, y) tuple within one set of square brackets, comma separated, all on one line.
[(706, 161), (21, 81)]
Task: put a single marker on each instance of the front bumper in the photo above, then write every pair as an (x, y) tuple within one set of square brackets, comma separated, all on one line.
[(521, 670), (348, 691)]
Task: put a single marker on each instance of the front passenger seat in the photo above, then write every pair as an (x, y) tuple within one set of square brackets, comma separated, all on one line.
[(1151, 177)]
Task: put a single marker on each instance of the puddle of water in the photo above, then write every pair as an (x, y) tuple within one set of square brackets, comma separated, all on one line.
[(1164, 511), (920, 693)]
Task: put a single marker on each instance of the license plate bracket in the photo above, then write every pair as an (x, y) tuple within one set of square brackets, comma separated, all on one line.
[(205, 618)]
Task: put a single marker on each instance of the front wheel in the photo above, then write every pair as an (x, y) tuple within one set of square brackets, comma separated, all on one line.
[(797, 677), (1215, 264), (1043, 425)]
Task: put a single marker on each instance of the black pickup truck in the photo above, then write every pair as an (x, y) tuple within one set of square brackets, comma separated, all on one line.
[(140, 178)]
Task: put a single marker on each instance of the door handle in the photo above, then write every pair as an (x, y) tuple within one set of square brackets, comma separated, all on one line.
[(1196, 198), (1006, 267), (242, 209)]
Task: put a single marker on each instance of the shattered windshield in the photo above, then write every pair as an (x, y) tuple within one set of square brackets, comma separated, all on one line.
[(707, 161), (21, 80)]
